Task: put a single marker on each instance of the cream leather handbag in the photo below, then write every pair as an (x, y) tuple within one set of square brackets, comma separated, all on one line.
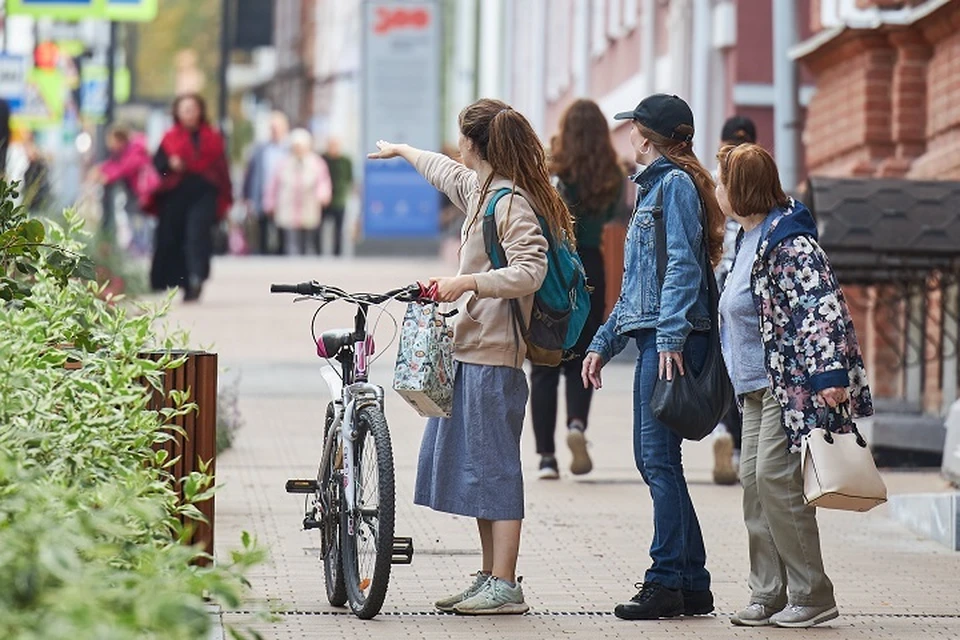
[(839, 472)]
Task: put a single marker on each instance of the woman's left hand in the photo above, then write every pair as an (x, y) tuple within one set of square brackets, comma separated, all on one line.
[(834, 396), (450, 289), (671, 361)]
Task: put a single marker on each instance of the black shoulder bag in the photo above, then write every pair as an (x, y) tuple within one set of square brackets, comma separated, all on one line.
[(692, 405)]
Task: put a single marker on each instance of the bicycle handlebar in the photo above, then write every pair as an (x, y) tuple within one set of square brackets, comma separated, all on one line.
[(411, 293)]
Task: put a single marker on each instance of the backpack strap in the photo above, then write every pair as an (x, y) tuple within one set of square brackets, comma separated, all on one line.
[(491, 237)]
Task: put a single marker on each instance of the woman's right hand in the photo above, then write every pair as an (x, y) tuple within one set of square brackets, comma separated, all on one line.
[(176, 163), (592, 365), (386, 150)]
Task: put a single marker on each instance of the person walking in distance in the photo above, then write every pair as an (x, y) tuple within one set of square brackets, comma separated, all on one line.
[(194, 193), (670, 322), (795, 364), (341, 177), (726, 438), (470, 463), (263, 164), (588, 176), (297, 192)]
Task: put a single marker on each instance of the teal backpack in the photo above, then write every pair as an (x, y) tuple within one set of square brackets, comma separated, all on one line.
[(560, 306)]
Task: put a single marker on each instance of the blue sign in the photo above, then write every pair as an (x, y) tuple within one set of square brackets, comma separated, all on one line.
[(13, 81), (398, 202)]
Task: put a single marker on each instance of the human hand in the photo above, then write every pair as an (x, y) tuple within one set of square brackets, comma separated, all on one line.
[(670, 361), (834, 396), (590, 373), (450, 289), (176, 163), (386, 150)]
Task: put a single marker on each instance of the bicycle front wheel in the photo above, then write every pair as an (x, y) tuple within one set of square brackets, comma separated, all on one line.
[(367, 533)]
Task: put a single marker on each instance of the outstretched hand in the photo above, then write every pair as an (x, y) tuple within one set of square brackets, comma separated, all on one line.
[(386, 150)]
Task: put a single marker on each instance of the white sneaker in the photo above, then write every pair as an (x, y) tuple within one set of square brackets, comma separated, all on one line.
[(496, 597), (802, 617), (447, 604)]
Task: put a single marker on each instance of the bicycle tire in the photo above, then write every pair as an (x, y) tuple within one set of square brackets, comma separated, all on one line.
[(330, 548), (366, 599)]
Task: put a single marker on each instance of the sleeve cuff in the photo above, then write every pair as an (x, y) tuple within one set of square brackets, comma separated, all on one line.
[(670, 344), (829, 380)]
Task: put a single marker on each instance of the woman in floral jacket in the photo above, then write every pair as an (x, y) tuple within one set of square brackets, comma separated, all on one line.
[(795, 364)]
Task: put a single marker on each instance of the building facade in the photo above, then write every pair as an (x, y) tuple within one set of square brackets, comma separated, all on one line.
[(887, 105)]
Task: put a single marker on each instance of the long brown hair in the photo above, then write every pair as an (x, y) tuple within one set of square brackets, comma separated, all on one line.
[(505, 139), (197, 99), (749, 174), (583, 155), (680, 153)]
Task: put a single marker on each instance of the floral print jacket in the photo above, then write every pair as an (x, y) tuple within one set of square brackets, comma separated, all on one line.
[(808, 335)]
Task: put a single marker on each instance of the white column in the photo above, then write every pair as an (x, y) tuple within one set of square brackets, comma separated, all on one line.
[(581, 48), (491, 56), (785, 112), (951, 309), (649, 59), (678, 23), (915, 345), (701, 88), (464, 67), (538, 67)]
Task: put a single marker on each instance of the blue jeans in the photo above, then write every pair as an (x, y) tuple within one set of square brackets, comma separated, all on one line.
[(677, 549)]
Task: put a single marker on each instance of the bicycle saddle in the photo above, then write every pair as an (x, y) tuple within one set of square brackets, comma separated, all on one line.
[(331, 342)]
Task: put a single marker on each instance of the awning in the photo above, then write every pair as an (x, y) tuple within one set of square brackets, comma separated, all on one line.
[(887, 230)]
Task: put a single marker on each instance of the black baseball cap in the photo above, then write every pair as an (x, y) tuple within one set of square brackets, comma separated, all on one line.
[(738, 129), (664, 114)]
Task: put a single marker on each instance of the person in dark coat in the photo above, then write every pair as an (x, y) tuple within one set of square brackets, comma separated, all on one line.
[(194, 193)]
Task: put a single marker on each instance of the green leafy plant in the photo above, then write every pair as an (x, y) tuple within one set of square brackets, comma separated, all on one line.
[(90, 530), (24, 247)]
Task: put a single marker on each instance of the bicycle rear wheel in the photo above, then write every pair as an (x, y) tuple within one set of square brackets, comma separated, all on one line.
[(331, 485), (367, 534)]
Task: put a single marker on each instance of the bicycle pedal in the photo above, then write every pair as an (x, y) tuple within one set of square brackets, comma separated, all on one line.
[(301, 486), (310, 523), (402, 551)]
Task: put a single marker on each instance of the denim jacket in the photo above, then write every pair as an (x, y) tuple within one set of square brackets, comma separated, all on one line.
[(681, 306)]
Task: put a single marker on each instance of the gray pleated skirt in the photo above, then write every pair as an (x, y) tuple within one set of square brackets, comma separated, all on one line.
[(470, 462)]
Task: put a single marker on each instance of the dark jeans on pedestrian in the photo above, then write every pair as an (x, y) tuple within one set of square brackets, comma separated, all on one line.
[(295, 241), (334, 215), (184, 240), (266, 231), (734, 423), (677, 550), (544, 380)]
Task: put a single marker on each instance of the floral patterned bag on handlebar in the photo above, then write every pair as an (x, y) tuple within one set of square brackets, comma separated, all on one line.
[(424, 372)]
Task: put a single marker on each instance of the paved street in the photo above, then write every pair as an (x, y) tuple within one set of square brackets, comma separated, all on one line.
[(585, 540)]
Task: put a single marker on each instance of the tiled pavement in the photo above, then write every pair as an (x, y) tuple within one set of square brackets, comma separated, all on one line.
[(584, 541)]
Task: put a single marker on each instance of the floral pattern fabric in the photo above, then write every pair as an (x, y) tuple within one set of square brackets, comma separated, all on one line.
[(424, 372), (808, 335)]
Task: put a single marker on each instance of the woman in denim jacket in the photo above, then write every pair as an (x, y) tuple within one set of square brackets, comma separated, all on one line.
[(795, 364), (670, 322)]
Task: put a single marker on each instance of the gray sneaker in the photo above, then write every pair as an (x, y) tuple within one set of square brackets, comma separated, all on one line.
[(496, 597), (447, 604), (755, 615), (801, 617)]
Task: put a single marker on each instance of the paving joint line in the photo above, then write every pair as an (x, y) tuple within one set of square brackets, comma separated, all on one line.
[(590, 614)]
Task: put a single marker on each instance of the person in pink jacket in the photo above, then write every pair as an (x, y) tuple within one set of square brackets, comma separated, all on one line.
[(296, 194), (129, 163)]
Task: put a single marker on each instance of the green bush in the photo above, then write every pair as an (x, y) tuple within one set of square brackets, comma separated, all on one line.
[(89, 524)]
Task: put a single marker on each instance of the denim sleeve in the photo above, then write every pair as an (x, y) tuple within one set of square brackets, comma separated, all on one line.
[(607, 343), (681, 283)]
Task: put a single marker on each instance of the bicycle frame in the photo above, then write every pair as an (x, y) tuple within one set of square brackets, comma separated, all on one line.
[(350, 392)]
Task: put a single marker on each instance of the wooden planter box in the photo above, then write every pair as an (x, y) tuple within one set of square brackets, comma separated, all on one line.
[(198, 442)]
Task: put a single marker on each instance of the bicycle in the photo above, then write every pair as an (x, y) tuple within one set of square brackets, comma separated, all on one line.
[(352, 499)]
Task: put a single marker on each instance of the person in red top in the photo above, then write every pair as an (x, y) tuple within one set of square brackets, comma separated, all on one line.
[(194, 193)]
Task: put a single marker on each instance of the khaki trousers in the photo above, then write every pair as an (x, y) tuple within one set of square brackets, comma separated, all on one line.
[(786, 565)]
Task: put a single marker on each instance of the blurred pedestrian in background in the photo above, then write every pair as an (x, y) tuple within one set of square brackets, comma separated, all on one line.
[(260, 170), (194, 193), (35, 190), (129, 164), (726, 438), (341, 179), (4, 135), (296, 194), (588, 176)]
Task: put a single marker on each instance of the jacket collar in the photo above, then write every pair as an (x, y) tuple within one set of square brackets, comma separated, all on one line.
[(649, 177)]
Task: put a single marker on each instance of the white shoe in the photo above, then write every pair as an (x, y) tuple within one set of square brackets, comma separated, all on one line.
[(723, 470), (582, 464)]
